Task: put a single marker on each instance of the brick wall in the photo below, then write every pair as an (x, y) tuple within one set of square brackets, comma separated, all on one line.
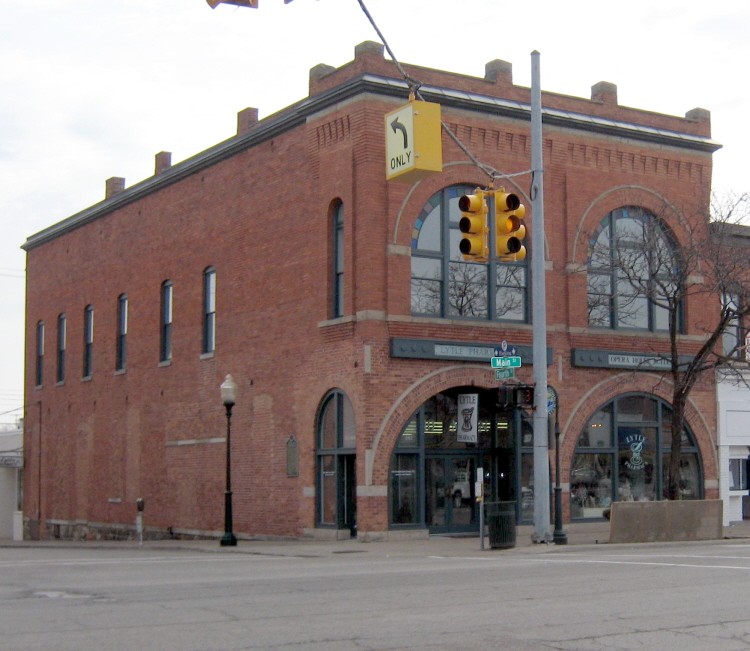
[(261, 218)]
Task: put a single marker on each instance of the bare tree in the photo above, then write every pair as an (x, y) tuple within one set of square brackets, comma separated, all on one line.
[(467, 291), (641, 275)]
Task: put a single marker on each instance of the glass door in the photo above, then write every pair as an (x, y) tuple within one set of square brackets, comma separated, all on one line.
[(450, 499)]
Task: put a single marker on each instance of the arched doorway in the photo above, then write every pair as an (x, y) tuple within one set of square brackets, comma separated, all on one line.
[(336, 477), (436, 460)]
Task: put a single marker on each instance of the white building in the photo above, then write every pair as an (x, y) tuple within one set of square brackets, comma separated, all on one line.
[(733, 395), (11, 468)]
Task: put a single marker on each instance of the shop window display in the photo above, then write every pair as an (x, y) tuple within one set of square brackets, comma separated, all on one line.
[(623, 455)]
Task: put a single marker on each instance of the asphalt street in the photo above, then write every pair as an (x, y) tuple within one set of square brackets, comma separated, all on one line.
[(421, 595)]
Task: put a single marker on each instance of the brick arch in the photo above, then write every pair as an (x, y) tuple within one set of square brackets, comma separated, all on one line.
[(631, 382), (409, 401), (623, 195)]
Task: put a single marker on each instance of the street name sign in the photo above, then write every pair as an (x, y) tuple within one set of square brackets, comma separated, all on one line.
[(505, 373), (506, 362)]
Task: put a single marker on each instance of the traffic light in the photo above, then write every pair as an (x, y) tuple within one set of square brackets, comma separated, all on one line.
[(509, 228), (523, 396), (473, 223)]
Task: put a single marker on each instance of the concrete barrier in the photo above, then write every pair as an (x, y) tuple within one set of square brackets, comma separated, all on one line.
[(632, 522)]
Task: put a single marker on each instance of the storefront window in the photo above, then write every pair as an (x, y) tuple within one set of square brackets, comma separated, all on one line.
[(404, 489), (591, 485), (527, 487), (689, 476), (636, 462), (638, 451)]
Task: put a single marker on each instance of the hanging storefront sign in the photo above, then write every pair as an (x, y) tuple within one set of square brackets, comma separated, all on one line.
[(468, 406)]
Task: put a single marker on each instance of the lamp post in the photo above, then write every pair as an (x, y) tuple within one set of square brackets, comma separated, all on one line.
[(559, 537), (228, 396)]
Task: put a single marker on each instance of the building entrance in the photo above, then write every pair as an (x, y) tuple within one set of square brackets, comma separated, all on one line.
[(435, 462), (450, 497)]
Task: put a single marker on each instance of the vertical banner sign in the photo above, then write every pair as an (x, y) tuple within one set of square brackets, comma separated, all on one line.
[(468, 406)]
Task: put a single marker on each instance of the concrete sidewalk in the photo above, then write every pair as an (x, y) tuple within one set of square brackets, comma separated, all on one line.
[(578, 534)]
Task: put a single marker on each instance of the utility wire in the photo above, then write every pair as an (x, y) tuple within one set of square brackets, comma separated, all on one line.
[(414, 87)]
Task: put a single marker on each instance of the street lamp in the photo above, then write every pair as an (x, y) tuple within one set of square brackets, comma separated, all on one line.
[(559, 537), (228, 396)]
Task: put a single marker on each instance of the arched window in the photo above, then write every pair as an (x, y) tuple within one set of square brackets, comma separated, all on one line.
[(444, 285), (336, 443), (633, 273), (623, 454)]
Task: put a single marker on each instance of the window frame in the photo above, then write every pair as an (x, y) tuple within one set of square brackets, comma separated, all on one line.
[(88, 342), (607, 281), (165, 325), (740, 465), (614, 419), (337, 260), (332, 457), (39, 370), (62, 336), (121, 342), (208, 330)]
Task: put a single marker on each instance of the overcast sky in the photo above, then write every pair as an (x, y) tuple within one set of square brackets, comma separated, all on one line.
[(95, 88)]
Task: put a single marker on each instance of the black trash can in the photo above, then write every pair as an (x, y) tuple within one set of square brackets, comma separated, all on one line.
[(501, 523)]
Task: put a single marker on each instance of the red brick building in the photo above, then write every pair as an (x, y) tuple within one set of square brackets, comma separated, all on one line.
[(340, 305)]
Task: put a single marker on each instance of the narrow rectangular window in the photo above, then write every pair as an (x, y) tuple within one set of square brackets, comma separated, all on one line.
[(39, 353), (209, 310), (337, 298), (738, 474), (165, 352), (61, 344), (122, 332), (88, 341)]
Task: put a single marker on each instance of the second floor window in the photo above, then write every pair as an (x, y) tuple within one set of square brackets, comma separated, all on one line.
[(337, 281), (61, 344), (122, 333), (444, 285), (633, 273), (39, 353), (209, 310), (88, 341), (165, 346)]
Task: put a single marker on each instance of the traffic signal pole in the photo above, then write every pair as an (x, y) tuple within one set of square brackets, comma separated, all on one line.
[(542, 533)]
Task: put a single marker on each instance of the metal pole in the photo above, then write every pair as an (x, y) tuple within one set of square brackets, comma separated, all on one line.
[(229, 539), (480, 500), (558, 536), (542, 532), (481, 524)]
